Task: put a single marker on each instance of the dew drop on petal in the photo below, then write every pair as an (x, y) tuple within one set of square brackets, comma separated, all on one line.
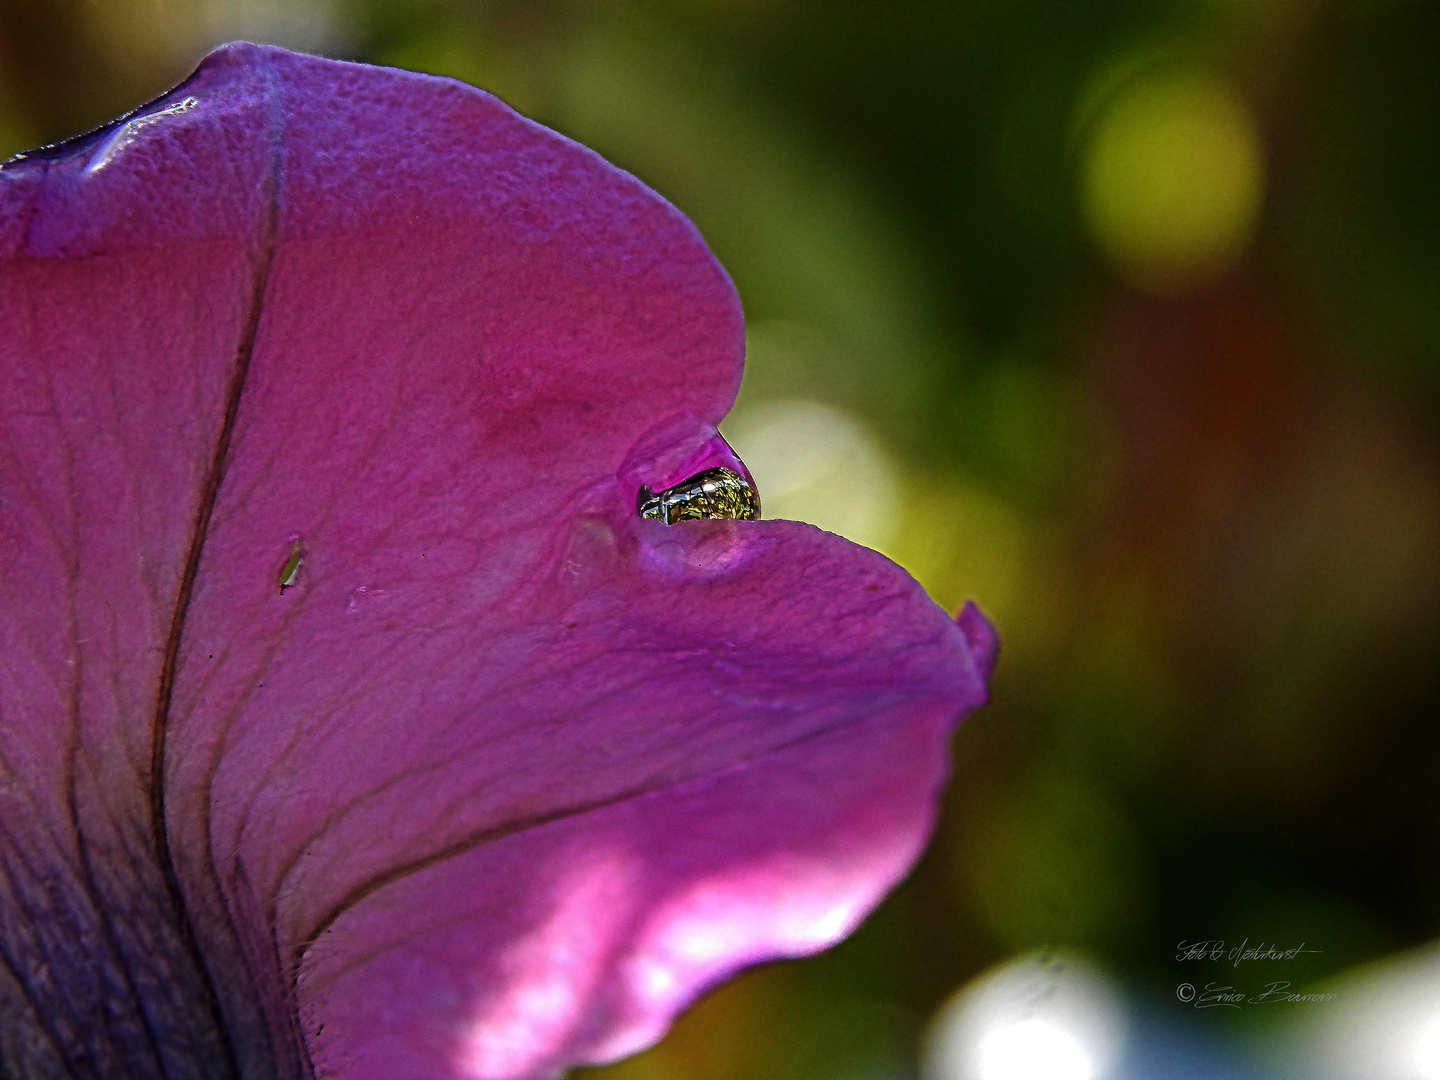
[(290, 571), (714, 493), (129, 132)]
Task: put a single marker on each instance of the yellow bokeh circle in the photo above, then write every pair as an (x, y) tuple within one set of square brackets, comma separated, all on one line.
[(1172, 179)]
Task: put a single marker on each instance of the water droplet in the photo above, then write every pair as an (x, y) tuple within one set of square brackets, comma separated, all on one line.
[(714, 493), (291, 570), (132, 129)]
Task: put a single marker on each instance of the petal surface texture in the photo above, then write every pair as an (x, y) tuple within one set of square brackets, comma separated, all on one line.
[(353, 725)]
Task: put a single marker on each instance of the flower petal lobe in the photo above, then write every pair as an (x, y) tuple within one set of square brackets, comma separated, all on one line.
[(463, 768)]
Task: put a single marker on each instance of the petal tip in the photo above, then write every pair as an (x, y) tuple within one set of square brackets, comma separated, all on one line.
[(984, 642)]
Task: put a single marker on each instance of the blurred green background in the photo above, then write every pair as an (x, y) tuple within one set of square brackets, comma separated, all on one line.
[(1119, 316)]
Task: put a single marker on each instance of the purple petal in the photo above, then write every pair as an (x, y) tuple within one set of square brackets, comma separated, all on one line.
[(126, 287), (503, 775), (984, 642)]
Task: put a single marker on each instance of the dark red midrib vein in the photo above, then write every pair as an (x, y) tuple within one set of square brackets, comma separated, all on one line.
[(219, 462)]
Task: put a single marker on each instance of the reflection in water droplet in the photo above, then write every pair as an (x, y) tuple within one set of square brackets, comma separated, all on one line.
[(714, 493)]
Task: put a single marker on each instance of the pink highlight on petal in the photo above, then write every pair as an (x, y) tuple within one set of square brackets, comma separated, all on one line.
[(549, 973), (778, 857)]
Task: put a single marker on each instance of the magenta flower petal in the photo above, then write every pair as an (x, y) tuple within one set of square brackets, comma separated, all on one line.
[(352, 722)]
